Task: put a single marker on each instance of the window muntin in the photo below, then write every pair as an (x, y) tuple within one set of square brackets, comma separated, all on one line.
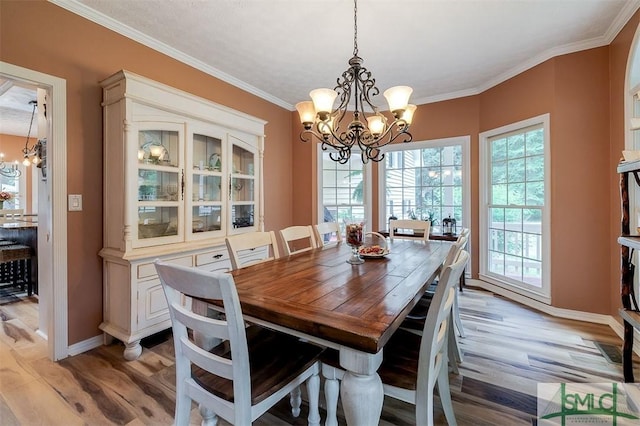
[(344, 195), (424, 180), (514, 214)]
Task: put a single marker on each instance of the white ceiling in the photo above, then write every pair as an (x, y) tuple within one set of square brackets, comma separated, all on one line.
[(15, 108), (281, 49)]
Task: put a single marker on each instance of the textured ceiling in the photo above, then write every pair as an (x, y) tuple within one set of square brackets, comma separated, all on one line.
[(15, 108), (281, 49)]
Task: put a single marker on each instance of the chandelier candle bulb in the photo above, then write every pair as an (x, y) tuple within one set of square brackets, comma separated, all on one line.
[(307, 113), (323, 100), (398, 98), (407, 115), (376, 124), (363, 128)]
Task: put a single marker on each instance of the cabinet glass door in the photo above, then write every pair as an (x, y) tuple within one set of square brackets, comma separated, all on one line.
[(242, 181), (206, 186), (159, 186)]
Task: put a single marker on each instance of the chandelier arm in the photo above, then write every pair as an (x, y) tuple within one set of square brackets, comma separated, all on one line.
[(341, 151), (389, 137), (338, 131), (368, 89), (9, 171), (343, 87)]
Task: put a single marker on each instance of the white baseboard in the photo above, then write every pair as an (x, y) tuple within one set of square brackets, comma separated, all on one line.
[(86, 345), (559, 312)]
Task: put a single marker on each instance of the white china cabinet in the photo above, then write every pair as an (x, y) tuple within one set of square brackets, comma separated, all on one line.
[(180, 174)]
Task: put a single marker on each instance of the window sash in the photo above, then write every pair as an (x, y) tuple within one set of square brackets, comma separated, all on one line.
[(337, 186), (514, 214), (423, 177)]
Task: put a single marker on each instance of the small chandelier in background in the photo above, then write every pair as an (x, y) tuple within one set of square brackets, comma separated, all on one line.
[(367, 130), (9, 170), (33, 154)]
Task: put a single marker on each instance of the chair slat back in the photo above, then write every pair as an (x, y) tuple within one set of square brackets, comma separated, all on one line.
[(237, 244), (455, 250), (396, 226), (297, 239), (433, 347), (328, 233), (180, 283)]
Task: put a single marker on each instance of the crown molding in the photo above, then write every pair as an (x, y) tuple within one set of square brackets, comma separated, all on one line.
[(133, 34), (620, 21)]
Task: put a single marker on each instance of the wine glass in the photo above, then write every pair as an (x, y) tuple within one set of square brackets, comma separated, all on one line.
[(355, 235)]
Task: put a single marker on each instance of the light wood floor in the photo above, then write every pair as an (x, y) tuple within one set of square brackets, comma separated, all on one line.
[(508, 350)]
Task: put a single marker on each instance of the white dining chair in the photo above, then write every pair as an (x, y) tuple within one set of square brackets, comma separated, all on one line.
[(413, 364), (328, 233), (464, 232), (298, 239), (248, 371), (414, 321), (251, 248), (413, 229)]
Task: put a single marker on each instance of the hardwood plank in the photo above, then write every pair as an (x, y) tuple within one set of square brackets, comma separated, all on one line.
[(508, 350), (37, 403)]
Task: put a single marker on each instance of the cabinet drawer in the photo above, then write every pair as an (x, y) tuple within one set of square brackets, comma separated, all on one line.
[(221, 266), (147, 270), (152, 304), (212, 256)]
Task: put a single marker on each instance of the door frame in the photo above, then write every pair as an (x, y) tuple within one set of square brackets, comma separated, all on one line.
[(55, 228)]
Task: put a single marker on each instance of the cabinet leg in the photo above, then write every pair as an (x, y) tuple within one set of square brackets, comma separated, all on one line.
[(627, 353), (132, 350)]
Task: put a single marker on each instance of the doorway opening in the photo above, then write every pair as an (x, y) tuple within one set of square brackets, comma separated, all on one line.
[(52, 215)]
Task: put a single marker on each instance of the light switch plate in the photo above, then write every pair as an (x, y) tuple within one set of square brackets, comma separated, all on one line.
[(75, 202)]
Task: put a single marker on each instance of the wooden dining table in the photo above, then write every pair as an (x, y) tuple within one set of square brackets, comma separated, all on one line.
[(355, 309)]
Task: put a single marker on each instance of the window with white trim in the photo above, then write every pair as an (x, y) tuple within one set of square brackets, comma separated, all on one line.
[(13, 186), (344, 193), (426, 181), (514, 244)]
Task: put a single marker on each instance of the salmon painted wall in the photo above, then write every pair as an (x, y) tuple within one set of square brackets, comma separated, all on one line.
[(619, 51), (580, 182), (83, 53), (575, 90), (11, 146)]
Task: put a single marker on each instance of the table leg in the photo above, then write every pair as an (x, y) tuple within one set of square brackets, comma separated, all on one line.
[(203, 341), (361, 388)]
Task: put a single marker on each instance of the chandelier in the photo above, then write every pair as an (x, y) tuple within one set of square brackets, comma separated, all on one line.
[(366, 128), (9, 170), (35, 153)]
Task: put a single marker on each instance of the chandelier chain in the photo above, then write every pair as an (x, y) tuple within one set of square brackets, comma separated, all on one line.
[(33, 113), (355, 27)]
